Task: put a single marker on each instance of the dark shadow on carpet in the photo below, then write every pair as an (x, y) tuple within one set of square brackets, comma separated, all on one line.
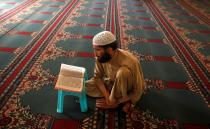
[(181, 105), (44, 101)]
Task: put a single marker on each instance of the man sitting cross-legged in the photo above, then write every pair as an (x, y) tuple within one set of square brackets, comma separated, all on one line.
[(117, 74)]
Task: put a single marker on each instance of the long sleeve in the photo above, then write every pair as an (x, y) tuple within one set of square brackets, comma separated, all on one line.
[(98, 71), (139, 84)]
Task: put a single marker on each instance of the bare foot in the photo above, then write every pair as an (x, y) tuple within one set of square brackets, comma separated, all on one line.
[(102, 103), (127, 107)]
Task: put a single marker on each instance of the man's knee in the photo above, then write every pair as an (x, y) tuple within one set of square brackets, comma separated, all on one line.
[(123, 72)]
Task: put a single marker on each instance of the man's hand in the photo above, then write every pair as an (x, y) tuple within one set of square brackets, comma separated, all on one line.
[(105, 104)]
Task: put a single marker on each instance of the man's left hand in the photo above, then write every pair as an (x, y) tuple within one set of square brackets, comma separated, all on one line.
[(105, 104)]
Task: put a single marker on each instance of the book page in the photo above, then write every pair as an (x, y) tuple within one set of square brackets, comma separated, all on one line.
[(73, 71), (69, 83)]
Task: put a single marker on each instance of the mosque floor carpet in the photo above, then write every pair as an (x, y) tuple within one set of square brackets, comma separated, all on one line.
[(171, 39)]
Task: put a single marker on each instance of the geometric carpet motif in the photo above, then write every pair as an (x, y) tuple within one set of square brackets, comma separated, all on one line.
[(169, 37)]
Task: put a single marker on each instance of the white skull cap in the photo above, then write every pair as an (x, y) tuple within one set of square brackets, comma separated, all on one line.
[(103, 38)]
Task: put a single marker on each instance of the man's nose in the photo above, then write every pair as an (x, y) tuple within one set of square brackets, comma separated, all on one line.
[(96, 54)]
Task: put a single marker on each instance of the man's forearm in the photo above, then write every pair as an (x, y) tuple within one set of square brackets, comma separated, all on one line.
[(103, 89)]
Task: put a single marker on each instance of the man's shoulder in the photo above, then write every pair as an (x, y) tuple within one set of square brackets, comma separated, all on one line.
[(124, 52), (127, 54)]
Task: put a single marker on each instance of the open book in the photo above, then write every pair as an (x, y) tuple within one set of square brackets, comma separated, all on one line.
[(70, 78)]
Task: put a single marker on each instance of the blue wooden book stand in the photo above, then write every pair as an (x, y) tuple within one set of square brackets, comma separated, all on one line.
[(79, 91)]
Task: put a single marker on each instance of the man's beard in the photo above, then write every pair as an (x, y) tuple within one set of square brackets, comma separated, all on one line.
[(104, 58)]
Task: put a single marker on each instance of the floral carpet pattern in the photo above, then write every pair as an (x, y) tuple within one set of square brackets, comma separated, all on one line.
[(169, 37)]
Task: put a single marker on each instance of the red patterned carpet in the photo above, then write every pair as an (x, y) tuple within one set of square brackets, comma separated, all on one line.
[(171, 39)]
